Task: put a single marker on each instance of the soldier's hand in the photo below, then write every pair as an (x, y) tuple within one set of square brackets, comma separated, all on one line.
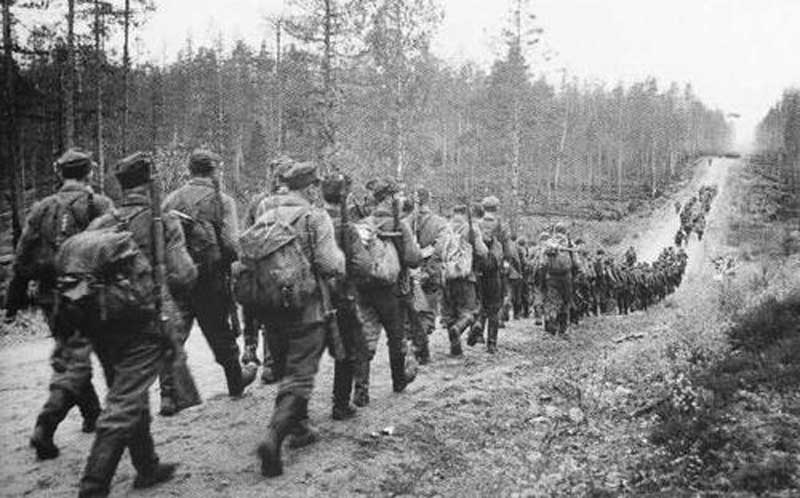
[(250, 356)]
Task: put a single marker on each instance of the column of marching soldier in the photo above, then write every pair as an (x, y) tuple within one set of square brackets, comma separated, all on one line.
[(314, 270)]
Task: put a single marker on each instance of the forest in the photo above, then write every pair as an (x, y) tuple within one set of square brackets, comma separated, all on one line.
[(352, 84), (778, 136)]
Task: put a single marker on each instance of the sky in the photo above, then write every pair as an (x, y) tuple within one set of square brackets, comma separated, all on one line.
[(739, 55)]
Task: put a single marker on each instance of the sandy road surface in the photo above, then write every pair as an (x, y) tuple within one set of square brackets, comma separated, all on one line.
[(481, 425)]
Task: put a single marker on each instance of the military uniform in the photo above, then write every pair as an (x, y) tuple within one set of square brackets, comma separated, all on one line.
[(558, 283), (133, 353), (381, 305), (460, 306), (490, 279), (518, 276), (298, 339), (252, 326), (71, 381), (346, 300), (209, 302), (430, 227)]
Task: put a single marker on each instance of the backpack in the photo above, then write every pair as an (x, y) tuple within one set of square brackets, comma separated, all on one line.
[(557, 260), (456, 255), (105, 270), (382, 268), (201, 234), (58, 224), (274, 273)]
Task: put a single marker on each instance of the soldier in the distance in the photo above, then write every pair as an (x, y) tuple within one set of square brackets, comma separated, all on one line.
[(50, 222)]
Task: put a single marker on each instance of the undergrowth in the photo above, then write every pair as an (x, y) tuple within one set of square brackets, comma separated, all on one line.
[(730, 423)]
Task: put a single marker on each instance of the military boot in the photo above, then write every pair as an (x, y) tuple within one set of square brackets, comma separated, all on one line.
[(302, 433), (162, 472), (423, 355), (54, 411), (491, 342), (342, 388), (361, 383), (455, 342), (400, 376), (89, 405), (103, 460), (149, 471), (283, 417), (42, 442), (239, 377)]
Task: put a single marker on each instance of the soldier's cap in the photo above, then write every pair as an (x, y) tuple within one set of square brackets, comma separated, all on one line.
[(460, 209), (134, 170), (560, 228), (579, 241), (334, 187), (74, 163), (382, 188), (490, 203), (202, 161), (522, 240), (300, 175), (543, 236)]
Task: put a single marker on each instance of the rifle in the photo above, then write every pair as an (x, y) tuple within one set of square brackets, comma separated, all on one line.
[(159, 256), (403, 280), (230, 305), (186, 393)]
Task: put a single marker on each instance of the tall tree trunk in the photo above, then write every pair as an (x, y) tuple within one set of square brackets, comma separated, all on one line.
[(69, 87), (620, 154), (10, 118), (126, 68), (329, 130), (279, 135), (98, 78)]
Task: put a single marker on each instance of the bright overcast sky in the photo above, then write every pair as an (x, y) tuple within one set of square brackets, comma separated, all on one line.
[(738, 54)]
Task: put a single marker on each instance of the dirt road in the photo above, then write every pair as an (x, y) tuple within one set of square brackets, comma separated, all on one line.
[(543, 417)]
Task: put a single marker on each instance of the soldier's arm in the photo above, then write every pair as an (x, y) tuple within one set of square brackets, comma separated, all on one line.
[(229, 230), (102, 205), (412, 255), (17, 297), (328, 258), (180, 268), (480, 247)]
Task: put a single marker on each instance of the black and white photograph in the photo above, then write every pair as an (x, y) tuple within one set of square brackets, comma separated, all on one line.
[(400, 248)]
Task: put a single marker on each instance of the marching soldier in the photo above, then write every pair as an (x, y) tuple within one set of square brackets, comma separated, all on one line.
[(381, 304), (412, 299), (460, 306), (133, 352), (429, 229), (271, 372), (345, 296), (209, 219), (50, 222), (490, 281), (298, 338)]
